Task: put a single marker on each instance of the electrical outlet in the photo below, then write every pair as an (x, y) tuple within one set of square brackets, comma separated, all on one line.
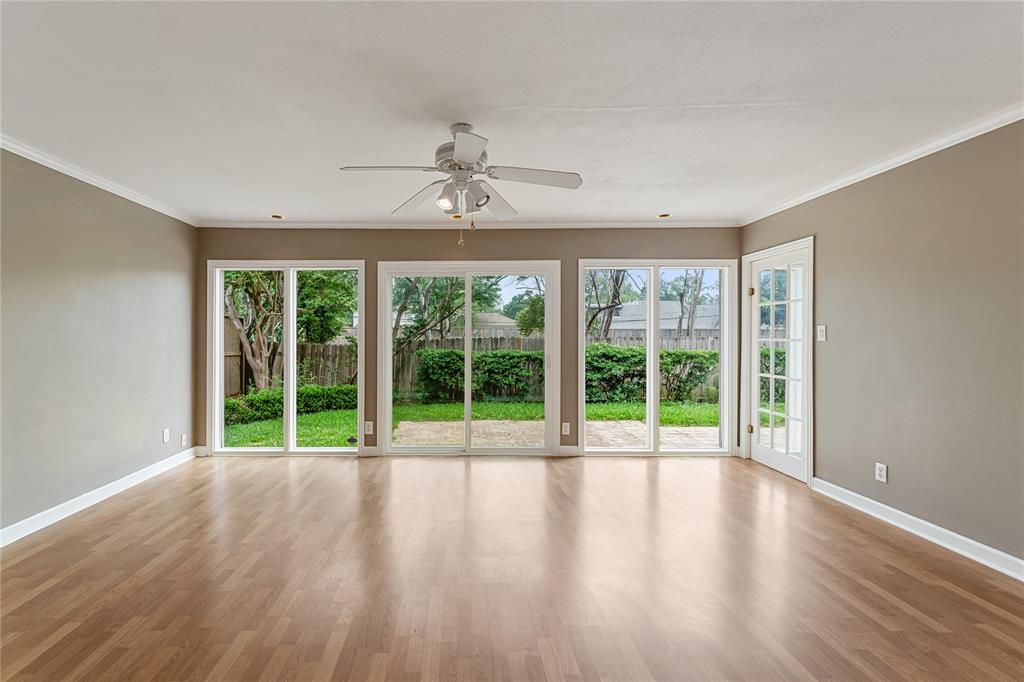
[(822, 333), (167, 435), (566, 428), (184, 440), (881, 472), (368, 428)]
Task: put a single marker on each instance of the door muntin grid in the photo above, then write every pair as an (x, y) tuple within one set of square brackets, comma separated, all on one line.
[(780, 300)]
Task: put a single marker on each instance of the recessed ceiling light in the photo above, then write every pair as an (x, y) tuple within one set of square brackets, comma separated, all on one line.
[(275, 216), (664, 215)]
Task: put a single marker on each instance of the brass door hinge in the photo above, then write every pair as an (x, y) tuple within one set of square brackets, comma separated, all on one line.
[(750, 428), (750, 291)]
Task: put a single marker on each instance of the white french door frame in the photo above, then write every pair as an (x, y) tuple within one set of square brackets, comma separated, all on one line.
[(727, 353), (747, 366), (215, 270), (388, 270)]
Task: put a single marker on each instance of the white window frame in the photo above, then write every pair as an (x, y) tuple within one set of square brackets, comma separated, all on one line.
[(750, 338), (549, 269), (215, 357), (727, 355)]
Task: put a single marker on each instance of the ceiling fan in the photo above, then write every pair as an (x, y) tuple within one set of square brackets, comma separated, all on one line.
[(466, 190)]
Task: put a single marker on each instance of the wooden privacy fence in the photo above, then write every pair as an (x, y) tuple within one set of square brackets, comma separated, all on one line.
[(702, 339), (327, 364)]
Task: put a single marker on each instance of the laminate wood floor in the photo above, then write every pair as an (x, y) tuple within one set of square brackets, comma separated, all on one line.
[(504, 568)]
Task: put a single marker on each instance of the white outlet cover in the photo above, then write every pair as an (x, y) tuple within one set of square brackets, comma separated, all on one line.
[(881, 472), (368, 428), (184, 440), (822, 333), (566, 428), (167, 435)]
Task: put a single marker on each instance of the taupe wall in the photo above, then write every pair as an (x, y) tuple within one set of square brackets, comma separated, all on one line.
[(568, 246), (920, 279), (97, 337)]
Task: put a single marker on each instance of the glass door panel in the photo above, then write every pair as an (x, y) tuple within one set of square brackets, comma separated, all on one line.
[(507, 361), (428, 336), (253, 359), (779, 313), (616, 324), (689, 318), (327, 357)]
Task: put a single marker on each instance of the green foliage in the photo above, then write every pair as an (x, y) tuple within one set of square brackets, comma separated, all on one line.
[(497, 374), (313, 398), (684, 371), (518, 302), (269, 403), (506, 374), (326, 301), (780, 370), (615, 373), (486, 292), (440, 374), (531, 318), (618, 373)]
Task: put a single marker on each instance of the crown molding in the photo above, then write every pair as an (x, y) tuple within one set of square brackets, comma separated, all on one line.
[(1005, 117), (452, 225), (42, 158)]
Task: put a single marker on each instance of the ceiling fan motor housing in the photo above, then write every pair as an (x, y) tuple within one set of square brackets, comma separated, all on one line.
[(444, 159)]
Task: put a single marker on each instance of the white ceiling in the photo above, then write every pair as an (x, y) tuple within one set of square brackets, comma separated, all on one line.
[(718, 113)]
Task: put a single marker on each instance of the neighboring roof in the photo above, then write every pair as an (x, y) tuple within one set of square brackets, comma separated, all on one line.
[(492, 321), (634, 316)]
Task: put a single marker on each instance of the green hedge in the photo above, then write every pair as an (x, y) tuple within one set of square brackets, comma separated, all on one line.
[(618, 373), (269, 403), (780, 370), (497, 374)]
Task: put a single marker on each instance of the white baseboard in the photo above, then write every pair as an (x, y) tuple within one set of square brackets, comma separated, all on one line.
[(568, 451), (972, 549), (18, 530), (370, 451)]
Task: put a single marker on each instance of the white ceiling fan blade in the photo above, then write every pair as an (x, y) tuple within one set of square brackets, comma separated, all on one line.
[(501, 209), (416, 199), (423, 169), (468, 147), (535, 176)]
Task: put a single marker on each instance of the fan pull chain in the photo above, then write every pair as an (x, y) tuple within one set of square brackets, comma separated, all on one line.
[(461, 241)]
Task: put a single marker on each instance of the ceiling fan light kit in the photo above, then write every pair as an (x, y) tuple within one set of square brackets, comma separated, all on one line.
[(467, 190)]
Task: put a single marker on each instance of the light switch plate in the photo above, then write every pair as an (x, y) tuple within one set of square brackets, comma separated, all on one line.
[(184, 440), (368, 428), (167, 435), (822, 333), (881, 472), (566, 428)]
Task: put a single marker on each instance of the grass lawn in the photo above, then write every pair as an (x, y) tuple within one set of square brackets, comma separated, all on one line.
[(672, 413), (333, 428), (452, 412), (329, 429)]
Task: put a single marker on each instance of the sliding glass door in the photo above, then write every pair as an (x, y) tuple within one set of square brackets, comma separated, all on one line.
[(655, 356), (285, 356), (491, 322)]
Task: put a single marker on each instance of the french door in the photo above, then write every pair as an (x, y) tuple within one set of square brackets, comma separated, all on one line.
[(285, 357), (779, 359), (468, 357)]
